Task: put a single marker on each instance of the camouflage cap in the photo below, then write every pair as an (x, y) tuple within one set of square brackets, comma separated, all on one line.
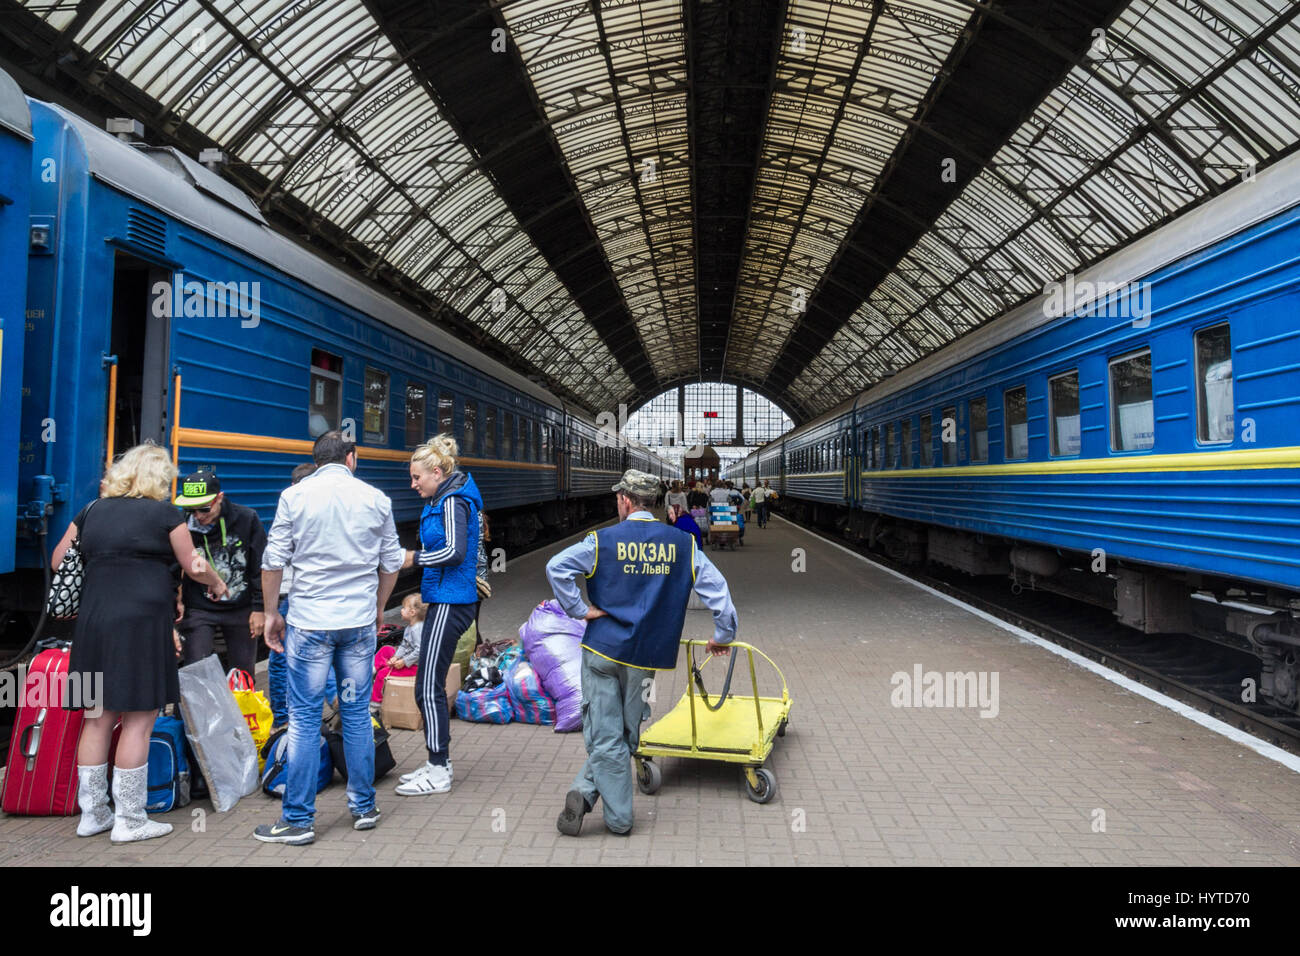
[(638, 483)]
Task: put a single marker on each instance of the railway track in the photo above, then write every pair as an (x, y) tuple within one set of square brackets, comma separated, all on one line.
[(1207, 676)]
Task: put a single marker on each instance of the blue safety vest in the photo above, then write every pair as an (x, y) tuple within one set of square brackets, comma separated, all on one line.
[(642, 580)]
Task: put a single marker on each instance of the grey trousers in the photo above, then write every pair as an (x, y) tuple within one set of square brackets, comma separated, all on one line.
[(615, 701)]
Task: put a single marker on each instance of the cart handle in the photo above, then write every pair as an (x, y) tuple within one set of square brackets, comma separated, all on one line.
[(692, 642), (726, 684)]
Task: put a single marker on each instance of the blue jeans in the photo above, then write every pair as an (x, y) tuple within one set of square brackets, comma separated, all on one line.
[(277, 681), (351, 652), (613, 706)]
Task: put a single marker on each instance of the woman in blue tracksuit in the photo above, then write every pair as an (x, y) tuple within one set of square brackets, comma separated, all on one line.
[(449, 530)]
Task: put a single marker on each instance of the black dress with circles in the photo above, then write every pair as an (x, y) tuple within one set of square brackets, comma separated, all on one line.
[(128, 602)]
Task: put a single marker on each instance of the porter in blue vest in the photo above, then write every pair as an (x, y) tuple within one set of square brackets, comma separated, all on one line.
[(641, 564)]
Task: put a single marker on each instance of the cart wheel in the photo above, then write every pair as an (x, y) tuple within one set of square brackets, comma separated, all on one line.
[(766, 789), (648, 776), (780, 731)]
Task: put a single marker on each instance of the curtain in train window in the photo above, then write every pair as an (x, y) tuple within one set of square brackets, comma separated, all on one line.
[(490, 431), (446, 407), (375, 406), (927, 446), (948, 434), (1214, 408), (469, 444), (1015, 414), (979, 429), (878, 437), (1063, 396), (905, 445), (1132, 411), (414, 414), (891, 444)]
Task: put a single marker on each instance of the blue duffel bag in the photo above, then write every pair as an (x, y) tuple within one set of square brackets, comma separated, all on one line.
[(276, 754), (169, 767)]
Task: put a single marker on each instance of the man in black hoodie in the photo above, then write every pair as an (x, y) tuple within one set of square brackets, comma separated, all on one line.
[(232, 539)]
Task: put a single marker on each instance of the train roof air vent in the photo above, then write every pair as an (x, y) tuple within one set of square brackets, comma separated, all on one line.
[(146, 231)]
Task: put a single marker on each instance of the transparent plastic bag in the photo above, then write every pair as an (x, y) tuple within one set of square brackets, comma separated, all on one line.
[(218, 733)]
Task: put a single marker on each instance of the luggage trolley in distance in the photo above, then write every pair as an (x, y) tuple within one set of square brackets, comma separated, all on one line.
[(734, 729)]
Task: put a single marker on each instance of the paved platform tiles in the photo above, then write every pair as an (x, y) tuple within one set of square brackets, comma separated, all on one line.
[(1072, 769)]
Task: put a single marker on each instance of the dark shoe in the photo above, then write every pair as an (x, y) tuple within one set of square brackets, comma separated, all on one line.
[(569, 821), (366, 821), (627, 832), (281, 832)]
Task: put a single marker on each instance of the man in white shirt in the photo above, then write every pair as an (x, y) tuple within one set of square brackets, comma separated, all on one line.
[(340, 535)]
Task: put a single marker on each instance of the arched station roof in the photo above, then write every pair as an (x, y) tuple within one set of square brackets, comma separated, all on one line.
[(615, 195)]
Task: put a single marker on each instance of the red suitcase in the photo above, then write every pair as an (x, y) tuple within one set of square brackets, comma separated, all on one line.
[(41, 777)]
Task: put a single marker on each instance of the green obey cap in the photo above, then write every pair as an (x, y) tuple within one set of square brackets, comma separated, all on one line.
[(198, 489)]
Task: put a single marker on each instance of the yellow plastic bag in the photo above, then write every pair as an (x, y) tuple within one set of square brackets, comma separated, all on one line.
[(255, 708)]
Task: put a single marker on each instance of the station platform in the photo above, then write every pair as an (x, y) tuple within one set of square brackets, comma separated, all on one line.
[(1066, 769)]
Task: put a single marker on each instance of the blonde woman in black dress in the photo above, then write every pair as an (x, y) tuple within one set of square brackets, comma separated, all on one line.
[(134, 545)]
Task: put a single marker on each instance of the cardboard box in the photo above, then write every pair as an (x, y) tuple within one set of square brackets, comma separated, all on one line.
[(399, 711)]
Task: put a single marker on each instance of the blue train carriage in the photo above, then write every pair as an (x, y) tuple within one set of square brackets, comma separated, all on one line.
[(595, 463), (15, 167), (818, 453), (165, 283), (1139, 453)]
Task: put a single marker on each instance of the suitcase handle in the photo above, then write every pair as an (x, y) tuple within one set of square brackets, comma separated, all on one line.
[(33, 732)]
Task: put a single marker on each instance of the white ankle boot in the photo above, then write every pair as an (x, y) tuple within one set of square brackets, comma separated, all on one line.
[(132, 823), (92, 796)]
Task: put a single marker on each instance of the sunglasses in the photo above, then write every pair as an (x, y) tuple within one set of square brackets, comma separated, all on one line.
[(200, 509)]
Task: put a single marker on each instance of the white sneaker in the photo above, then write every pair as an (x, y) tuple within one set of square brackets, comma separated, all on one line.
[(423, 768), (429, 779)]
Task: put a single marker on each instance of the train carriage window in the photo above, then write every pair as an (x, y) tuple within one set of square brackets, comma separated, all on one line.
[(470, 444), (979, 429), (891, 444), (543, 443), (1015, 415), (1214, 406), (490, 431), (539, 439), (927, 446), (325, 405), (1132, 411), (1063, 397), (948, 434), (375, 406), (415, 394), (525, 432), (446, 408), (905, 445), (864, 449), (508, 438)]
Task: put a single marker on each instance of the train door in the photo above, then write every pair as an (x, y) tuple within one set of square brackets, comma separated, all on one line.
[(850, 469), (139, 338)]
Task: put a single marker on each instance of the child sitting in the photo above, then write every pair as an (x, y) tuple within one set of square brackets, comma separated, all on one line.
[(402, 659)]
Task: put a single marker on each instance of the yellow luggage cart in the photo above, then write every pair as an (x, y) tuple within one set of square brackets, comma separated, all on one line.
[(729, 728)]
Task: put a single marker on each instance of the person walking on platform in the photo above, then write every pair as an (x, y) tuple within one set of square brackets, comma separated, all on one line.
[(133, 545), (448, 555), (338, 531), (231, 538), (759, 499), (640, 574)]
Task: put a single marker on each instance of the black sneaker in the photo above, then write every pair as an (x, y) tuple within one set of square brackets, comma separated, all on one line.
[(281, 832), (569, 821), (366, 821)]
